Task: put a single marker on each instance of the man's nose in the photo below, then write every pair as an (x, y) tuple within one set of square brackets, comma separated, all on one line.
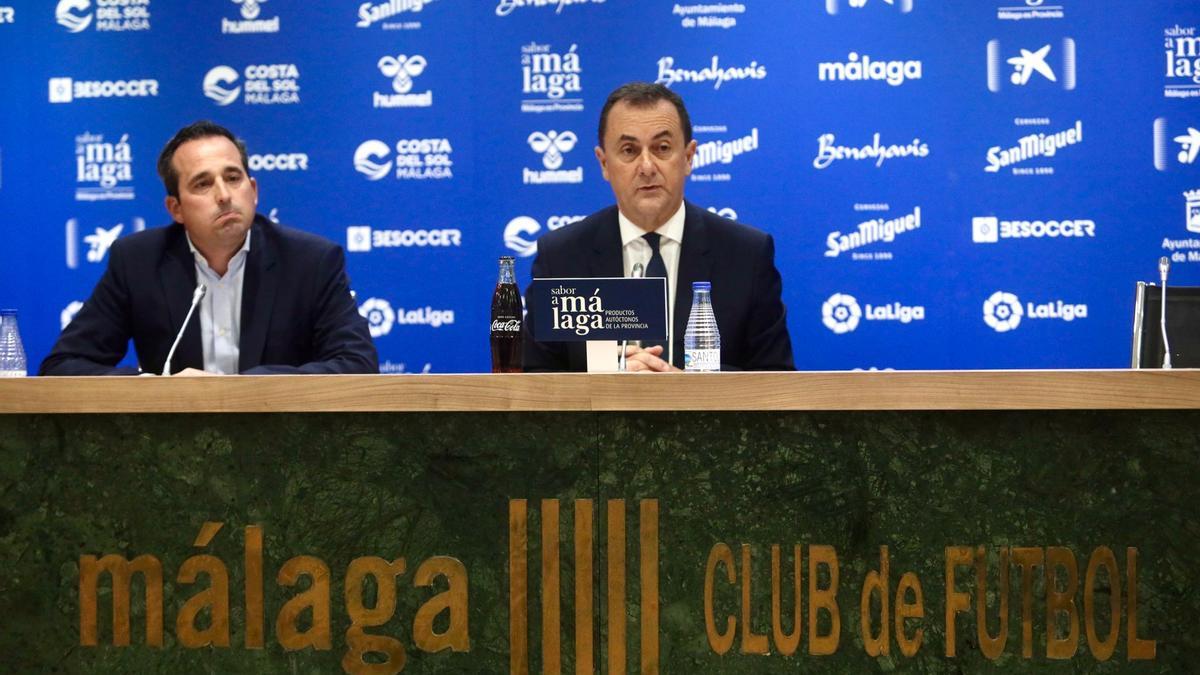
[(222, 191), (646, 162)]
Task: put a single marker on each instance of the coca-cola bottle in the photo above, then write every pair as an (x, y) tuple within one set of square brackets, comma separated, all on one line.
[(506, 321)]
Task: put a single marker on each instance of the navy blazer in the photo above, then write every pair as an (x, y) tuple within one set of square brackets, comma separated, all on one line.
[(297, 312), (739, 261)]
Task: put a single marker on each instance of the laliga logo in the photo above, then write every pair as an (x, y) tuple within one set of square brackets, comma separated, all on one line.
[(841, 313), (379, 315), (367, 156), (73, 22), (552, 145), (1002, 311), (216, 81), (250, 8), (402, 69)]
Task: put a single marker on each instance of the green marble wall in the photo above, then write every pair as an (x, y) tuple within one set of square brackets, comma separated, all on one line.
[(343, 486)]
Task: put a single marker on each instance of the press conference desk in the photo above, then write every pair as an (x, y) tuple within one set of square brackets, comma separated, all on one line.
[(876, 390), (579, 523)]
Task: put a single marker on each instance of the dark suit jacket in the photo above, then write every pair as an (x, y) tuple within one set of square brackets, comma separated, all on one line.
[(739, 261), (297, 313)]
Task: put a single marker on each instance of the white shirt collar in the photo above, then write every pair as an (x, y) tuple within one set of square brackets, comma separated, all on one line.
[(671, 230), (200, 256)]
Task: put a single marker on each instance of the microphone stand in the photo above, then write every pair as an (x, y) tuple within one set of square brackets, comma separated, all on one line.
[(197, 296), (1163, 266)]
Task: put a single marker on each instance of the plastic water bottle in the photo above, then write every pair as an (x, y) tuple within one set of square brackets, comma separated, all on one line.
[(12, 352), (702, 340)]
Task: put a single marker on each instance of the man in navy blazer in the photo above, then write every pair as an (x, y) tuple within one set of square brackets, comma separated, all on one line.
[(278, 299), (645, 154)]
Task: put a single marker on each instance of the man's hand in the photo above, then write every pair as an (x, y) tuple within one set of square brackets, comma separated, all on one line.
[(648, 360)]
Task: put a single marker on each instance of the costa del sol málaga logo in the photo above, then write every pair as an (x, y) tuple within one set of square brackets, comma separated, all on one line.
[(841, 313), (1002, 311)]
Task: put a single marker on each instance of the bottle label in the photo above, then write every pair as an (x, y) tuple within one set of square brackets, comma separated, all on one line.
[(506, 325), (702, 360)]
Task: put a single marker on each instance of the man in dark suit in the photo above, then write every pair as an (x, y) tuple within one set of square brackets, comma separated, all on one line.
[(645, 154), (277, 300)]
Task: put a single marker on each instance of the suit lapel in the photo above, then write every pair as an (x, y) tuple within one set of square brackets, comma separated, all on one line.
[(607, 260), (258, 294), (694, 265), (177, 274)]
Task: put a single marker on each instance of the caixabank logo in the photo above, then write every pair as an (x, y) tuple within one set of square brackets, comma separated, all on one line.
[(392, 15), (713, 72), (1175, 149), (1033, 154), (1182, 49), (832, 7), (412, 158), (551, 81), (722, 16), (403, 70), (263, 84), (521, 233), (1030, 66), (117, 16), (98, 240), (252, 19), (1003, 311), (842, 313)]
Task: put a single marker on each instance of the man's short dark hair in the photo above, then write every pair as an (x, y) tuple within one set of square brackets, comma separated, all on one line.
[(645, 95), (193, 131)]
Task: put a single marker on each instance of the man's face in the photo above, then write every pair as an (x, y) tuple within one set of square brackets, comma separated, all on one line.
[(646, 161), (216, 198)]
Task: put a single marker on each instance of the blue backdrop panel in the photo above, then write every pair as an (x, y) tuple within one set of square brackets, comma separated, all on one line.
[(950, 185)]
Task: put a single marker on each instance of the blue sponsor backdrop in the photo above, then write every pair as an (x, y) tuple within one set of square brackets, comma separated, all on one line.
[(950, 185)]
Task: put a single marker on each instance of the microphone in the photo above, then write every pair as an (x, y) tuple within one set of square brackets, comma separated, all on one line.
[(1164, 266), (638, 270), (197, 296)]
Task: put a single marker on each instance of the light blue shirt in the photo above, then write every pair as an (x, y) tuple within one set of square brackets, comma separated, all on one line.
[(221, 310)]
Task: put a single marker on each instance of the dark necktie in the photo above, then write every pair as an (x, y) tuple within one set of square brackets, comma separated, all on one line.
[(656, 268)]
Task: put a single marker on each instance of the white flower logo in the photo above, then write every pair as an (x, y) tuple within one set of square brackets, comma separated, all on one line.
[(841, 313), (402, 69), (1002, 311), (552, 145), (379, 315)]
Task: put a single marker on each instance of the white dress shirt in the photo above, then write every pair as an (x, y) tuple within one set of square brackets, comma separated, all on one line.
[(221, 310), (635, 250)]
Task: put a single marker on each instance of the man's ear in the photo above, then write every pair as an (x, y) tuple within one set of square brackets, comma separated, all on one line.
[(600, 157), (172, 204)]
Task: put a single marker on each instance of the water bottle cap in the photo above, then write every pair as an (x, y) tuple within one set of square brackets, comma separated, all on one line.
[(701, 285)]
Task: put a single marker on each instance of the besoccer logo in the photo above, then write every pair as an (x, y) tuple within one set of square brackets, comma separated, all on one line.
[(216, 84), (402, 69), (367, 159), (1002, 312), (379, 315), (551, 145), (67, 18), (841, 313)]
